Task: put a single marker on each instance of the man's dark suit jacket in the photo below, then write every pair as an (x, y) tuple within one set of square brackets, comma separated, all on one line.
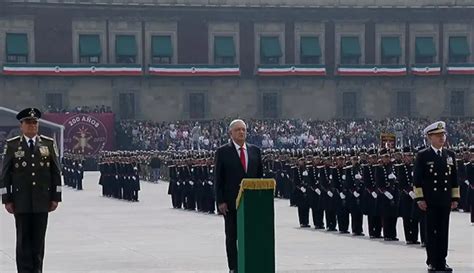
[(230, 172)]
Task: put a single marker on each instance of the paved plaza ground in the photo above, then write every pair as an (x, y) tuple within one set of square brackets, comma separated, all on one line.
[(91, 234)]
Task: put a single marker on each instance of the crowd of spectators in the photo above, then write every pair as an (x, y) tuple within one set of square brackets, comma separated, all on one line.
[(283, 133), (79, 109)]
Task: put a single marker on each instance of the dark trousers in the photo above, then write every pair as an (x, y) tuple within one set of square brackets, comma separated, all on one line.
[(318, 213), (410, 227), (303, 214), (356, 222), (30, 236), (437, 230), (423, 228), (343, 219), (231, 238), (389, 227), (330, 219), (375, 226)]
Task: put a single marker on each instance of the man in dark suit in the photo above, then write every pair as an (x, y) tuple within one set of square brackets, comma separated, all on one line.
[(30, 186), (436, 192), (233, 162)]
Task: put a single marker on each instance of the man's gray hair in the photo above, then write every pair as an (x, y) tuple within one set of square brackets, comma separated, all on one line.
[(234, 122)]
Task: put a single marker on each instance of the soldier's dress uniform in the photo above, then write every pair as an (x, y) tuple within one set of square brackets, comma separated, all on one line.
[(31, 180), (435, 178), (355, 186), (388, 198), (470, 179), (371, 199), (340, 199), (404, 173), (301, 180)]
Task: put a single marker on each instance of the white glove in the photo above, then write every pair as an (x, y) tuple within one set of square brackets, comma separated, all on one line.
[(467, 182), (191, 183), (358, 176), (392, 176), (192, 169), (116, 177), (282, 175), (212, 171), (330, 194), (330, 176), (343, 177), (374, 194), (177, 183), (318, 191), (356, 194), (389, 195), (134, 178), (210, 183), (303, 189), (305, 173), (412, 194), (342, 195), (78, 171)]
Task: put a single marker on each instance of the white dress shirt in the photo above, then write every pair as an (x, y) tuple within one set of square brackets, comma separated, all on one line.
[(28, 140), (436, 150)]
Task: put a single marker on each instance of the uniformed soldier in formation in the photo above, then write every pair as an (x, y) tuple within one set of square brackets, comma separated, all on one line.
[(120, 175), (191, 183), (355, 191), (437, 192), (30, 186), (404, 173), (470, 179), (302, 183), (388, 195), (340, 192), (315, 192), (371, 195)]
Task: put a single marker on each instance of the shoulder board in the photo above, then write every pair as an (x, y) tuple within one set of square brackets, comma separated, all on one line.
[(465, 164), (424, 150), (364, 165), (398, 165), (293, 167), (47, 138), (320, 167), (347, 167), (13, 138), (376, 165)]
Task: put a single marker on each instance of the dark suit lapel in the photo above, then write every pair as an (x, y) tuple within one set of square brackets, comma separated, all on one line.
[(233, 150), (251, 157)]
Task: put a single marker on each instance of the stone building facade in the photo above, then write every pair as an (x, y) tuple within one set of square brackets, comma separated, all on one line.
[(314, 59)]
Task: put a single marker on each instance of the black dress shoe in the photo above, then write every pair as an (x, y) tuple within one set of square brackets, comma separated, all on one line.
[(318, 227), (343, 231), (358, 234), (413, 243), (390, 239), (331, 229), (447, 268), (423, 244), (304, 226)]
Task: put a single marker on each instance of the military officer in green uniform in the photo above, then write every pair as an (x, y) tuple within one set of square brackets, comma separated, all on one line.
[(436, 192), (30, 186)]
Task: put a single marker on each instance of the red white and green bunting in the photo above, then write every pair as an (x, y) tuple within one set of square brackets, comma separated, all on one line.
[(371, 70), (428, 70), (291, 70), (71, 70), (460, 69), (194, 70)]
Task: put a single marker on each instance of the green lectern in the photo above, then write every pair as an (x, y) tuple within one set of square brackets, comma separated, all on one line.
[(255, 226)]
